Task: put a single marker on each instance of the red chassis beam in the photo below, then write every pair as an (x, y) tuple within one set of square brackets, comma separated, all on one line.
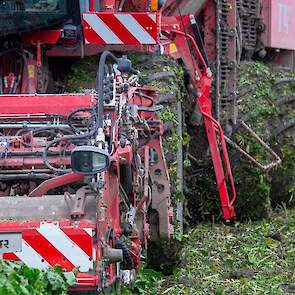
[(49, 104)]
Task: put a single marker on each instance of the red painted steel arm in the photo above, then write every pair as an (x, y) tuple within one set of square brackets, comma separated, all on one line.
[(202, 80), (55, 182), (212, 129)]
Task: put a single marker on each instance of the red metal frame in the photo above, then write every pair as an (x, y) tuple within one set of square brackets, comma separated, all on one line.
[(212, 128), (45, 107)]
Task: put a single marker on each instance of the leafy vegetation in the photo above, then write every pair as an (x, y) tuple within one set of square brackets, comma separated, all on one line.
[(264, 106), (18, 279), (250, 258), (82, 75), (148, 282)]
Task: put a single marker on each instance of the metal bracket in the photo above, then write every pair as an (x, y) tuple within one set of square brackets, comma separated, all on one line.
[(77, 203)]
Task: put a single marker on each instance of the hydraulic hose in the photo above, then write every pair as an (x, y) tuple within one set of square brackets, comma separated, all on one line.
[(100, 84), (57, 140), (120, 244), (72, 114)]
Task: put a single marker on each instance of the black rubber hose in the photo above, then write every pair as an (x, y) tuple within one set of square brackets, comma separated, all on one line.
[(70, 116), (26, 68), (199, 40), (25, 64), (43, 129), (48, 128), (57, 140), (100, 85), (127, 258)]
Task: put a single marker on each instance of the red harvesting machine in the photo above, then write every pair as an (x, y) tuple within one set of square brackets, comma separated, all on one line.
[(83, 179)]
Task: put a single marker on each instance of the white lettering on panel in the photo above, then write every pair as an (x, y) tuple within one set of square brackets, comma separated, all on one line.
[(284, 17)]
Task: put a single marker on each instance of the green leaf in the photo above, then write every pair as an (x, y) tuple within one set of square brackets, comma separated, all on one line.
[(70, 278)]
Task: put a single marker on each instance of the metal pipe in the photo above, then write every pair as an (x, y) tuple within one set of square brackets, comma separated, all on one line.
[(4, 177), (218, 65), (26, 171), (37, 154), (179, 212), (14, 126), (264, 167)]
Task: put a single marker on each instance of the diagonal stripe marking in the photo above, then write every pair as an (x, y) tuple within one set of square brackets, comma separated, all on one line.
[(89, 231), (81, 238), (45, 249), (101, 29), (67, 247), (146, 22), (10, 256), (135, 29), (31, 258), (153, 17), (118, 28)]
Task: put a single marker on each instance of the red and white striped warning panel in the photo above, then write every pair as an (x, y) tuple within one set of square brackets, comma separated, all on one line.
[(50, 245), (120, 28)]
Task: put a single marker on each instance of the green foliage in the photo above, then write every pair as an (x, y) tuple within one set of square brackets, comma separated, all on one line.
[(257, 102), (250, 258), (82, 75), (255, 258), (253, 187), (148, 281), (203, 199), (150, 64), (167, 115), (18, 279), (283, 179)]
